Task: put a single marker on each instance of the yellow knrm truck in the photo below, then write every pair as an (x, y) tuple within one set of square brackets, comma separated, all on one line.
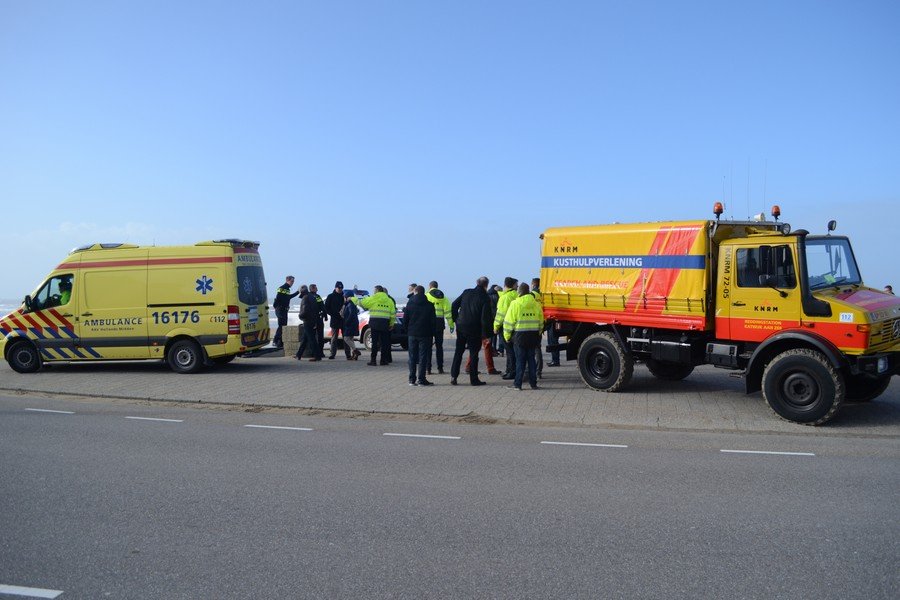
[(192, 306), (786, 309)]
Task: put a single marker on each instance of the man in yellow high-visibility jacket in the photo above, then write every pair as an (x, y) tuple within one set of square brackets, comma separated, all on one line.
[(522, 327), (382, 316), (506, 297), (441, 314)]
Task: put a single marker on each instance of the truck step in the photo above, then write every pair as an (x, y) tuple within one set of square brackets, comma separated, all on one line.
[(737, 374)]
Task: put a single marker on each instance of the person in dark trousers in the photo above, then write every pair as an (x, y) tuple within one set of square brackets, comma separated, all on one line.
[(506, 297), (350, 328), (334, 304), (496, 340), (320, 320), (388, 351), (441, 318), (419, 318), (472, 314), (309, 315), (382, 316), (522, 328), (281, 305)]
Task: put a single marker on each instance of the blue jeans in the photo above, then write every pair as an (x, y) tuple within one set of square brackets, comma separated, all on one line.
[(419, 353), (524, 355)]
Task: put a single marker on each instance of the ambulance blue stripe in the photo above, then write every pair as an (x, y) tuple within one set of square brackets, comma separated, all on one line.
[(92, 352), (47, 354), (62, 353), (38, 333), (54, 333), (691, 261), (77, 353), (68, 332)]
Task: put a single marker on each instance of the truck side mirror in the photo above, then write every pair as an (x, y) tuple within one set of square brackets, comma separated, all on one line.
[(832, 225), (27, 302), (770, 282)]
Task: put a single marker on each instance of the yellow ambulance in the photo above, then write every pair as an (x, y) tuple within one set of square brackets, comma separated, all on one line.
[(192, 306)]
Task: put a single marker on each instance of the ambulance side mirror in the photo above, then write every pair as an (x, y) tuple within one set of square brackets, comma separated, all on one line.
[(27, 302)]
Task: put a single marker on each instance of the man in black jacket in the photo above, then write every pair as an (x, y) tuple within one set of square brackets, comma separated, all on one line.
[(309, 312), (419, 318), (334, 304), (472, 314), (320, 321), (281, 305)]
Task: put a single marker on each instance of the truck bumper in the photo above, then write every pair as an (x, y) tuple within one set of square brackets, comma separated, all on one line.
[(883, 364)]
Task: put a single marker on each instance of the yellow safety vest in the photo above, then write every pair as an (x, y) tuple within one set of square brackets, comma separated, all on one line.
[(506, 299), (525, 314)]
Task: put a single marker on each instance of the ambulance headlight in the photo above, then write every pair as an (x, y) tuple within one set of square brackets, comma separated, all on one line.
[(882, 364)]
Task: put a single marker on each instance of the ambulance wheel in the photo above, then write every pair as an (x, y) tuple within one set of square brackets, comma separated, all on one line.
[(224, 360), (366, 338), (801, 386), (864, 389), (185, 356), (668, 371), (603, 363), (23, 357)]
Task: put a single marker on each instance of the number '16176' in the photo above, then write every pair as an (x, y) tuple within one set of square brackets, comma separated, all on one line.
[(176, 316)]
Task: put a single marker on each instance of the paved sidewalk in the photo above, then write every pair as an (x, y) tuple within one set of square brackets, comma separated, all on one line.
[(707, 400)]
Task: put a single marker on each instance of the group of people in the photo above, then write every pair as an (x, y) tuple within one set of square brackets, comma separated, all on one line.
[(479, 316)]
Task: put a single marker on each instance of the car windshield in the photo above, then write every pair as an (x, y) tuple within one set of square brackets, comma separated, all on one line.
[(830, 261)]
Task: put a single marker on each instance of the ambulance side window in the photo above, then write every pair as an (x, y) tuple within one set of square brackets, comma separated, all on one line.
[(56, 292)]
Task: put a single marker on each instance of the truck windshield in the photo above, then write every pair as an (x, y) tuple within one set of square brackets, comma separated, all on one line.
[(830, 261)]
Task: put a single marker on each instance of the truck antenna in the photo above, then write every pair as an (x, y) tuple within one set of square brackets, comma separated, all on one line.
[(766, 185), (748, 188)]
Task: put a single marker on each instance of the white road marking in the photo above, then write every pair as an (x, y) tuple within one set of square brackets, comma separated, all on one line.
[(153, 419), (30, 592), (276, 427), (419, 435), (47, 410), (767, 452), (585, 444)]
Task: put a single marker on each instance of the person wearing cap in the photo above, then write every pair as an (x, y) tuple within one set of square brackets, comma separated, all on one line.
[(350, 327), (281, 305), (334, 304)]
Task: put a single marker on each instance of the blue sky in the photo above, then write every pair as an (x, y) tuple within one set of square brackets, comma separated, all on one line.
[(389, 142)]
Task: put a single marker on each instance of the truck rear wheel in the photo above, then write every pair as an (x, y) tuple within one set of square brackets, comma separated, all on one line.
[(185, 356), (801, 386), (668, 371), (603, 363), (23, 357), (864, 389)]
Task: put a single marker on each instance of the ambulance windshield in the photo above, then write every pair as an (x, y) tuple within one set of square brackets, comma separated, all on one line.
[(829, 262)]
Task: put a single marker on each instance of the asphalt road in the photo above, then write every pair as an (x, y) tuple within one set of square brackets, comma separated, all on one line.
[(96, 504)]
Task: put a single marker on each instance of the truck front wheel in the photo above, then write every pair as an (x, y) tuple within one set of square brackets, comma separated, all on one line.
[(801, 386), (668, 371), (603, 363), (863, 389)]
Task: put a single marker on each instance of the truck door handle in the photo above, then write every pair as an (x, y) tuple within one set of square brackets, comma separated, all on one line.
[(738, 303), (87, 314)]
